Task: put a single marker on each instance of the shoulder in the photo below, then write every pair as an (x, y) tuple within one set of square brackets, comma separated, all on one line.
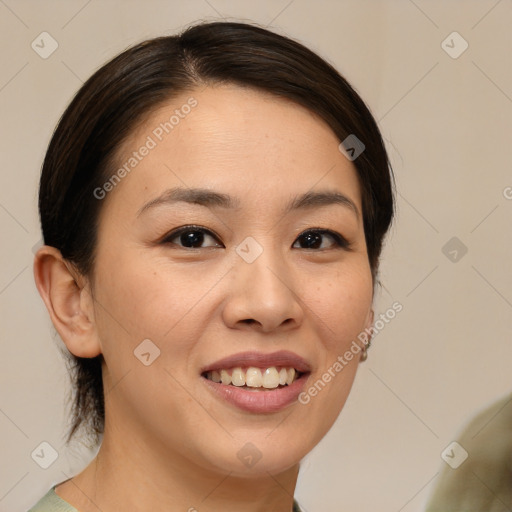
[(482, 481), (52, 502)]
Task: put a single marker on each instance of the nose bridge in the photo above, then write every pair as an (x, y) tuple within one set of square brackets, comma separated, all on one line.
[(264, 265), (262, 290)]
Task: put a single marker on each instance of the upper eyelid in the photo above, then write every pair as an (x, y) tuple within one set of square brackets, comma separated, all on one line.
[(192, 227)]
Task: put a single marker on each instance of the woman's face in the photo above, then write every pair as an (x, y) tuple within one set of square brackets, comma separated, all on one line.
[(255, 282)]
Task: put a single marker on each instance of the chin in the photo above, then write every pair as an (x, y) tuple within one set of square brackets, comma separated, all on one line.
[(256, 454)]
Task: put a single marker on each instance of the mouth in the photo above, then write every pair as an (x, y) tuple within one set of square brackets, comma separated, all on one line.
[(257, 383), (253, 378)]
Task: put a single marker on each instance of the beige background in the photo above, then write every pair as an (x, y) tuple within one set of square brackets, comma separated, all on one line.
[(448, 126)]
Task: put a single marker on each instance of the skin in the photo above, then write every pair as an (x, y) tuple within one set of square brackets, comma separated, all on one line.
[(169, 443)]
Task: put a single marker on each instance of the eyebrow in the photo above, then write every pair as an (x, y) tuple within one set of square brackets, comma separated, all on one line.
[(212, 199)]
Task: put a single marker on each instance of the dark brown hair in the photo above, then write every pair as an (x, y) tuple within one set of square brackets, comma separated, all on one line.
[(122, 93)]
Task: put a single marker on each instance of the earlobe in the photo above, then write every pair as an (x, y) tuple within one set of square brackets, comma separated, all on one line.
[(69, 303), (369, 319), (367, 336)]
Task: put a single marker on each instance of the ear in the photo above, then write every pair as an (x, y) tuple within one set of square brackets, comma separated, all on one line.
[(369, 319), (68, 298)]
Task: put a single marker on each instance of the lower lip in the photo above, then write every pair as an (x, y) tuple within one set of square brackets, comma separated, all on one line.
[(270, 400)]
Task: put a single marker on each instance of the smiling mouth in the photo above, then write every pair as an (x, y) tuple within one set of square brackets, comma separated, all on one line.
[(253, 378)]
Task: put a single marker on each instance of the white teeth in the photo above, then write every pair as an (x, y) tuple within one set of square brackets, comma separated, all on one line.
[(291, 376), (271, 378), (225, 377), (238, 377), (252, 377)]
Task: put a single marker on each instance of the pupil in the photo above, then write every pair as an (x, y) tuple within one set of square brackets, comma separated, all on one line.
[(192, 237), (312, 240)]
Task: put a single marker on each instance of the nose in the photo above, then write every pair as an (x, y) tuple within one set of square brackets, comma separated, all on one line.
[(263, 295)]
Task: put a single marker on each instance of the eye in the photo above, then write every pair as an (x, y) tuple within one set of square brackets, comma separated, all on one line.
[(190, 237), (193, 237), (313, 239)]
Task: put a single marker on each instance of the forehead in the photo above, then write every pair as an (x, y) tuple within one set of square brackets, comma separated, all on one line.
[(238, 140)]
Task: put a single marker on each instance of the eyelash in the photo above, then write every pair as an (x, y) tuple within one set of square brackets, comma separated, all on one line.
[(339, 240)]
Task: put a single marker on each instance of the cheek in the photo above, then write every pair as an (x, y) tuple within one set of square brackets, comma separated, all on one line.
[(341, 304), (140, 299)]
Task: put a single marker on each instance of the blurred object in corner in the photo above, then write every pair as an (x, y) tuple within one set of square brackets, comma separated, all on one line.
[(483, 482)]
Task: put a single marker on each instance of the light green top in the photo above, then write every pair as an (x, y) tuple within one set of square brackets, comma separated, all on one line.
[(52, 502), (483, 481)]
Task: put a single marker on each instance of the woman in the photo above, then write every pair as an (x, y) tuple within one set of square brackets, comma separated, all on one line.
[(213, 207)]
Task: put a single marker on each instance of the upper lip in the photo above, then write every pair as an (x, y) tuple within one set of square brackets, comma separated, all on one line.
[(283, 358)]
